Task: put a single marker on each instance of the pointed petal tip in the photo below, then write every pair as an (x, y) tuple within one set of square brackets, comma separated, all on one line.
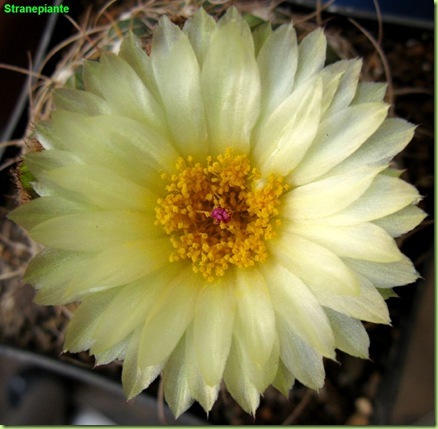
[(128, 393), (179, 409)]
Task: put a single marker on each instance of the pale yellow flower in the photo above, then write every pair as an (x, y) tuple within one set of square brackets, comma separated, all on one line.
[(222, 208)]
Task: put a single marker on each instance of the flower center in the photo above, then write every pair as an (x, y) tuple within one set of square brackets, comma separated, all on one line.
[(219, 214)]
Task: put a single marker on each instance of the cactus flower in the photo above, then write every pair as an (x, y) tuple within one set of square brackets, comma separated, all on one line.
[(222, 208)]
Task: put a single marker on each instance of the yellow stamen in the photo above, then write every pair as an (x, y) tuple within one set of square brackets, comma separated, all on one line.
[(219, 215)]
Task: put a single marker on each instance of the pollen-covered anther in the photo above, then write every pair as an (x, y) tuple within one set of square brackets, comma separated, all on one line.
[(218, 215)]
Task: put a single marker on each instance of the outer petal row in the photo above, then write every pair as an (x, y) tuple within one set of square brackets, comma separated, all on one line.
[(213, 326), (338, 136), (318, 267), (299, 309), (385, 196), (177, 74), (95, 231), (277, 62), (114, 80), (328, 196), (282, 140), (66, 276), (231, 86), (350, 334), (363, 241), (114, 141)]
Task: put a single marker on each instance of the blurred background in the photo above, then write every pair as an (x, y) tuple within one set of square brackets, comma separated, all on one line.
[(39, 385)]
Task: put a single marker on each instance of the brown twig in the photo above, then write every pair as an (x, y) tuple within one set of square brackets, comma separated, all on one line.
[(9, 162), (103, 11), (18, 143), (413, 90), (367, 34), (160, 405), (379, 22), (299, 408), (316, 14), (84, 33), (12, 274), (23, 71)]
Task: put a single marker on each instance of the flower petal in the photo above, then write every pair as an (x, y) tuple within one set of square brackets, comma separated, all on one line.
[(385, 196), (117, 352), (300, 359), (315, 265), (363, 241), (389, 139), (387, 293), (168, 319), (203, 393), (327, 196), (367, 305), (347, 84), (132, 51), (116, 142), (95, 230), (370, 92), (231, 87), (102, 187), (177, 73), (47, 137), (266, 374), (213, 327), (74, 100), (114, 80), (284, 380), (385, 275), (199, 30), (176, 382), (260, 34), (50, 272), (277, 62), (311, 56), (129, 308), (350, 334), (331, 76), (135, 376), (282, 141), (238, 381), (299, 309), (182, 380), (338, 137), (90, 76), (247, 378), (42, 209), (401, 222), (79, 336), (119, 265), (39, 163), (255, 323)]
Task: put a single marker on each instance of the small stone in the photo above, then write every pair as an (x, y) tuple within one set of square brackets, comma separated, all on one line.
[(357, 420), (364, 407)]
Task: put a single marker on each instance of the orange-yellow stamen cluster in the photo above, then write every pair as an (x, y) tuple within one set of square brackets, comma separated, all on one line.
[(219, 214)]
